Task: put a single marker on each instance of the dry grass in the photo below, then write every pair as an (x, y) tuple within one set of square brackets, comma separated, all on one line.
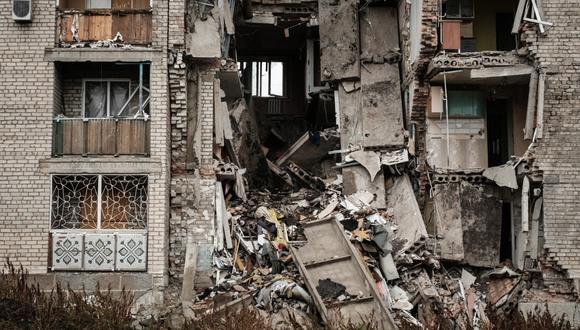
[(25, 306)]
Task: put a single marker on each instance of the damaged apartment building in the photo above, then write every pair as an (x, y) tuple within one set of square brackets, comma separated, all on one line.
[(132, 130)]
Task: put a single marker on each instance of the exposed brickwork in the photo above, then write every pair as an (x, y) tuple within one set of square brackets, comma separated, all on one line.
[(414, 74), (31, 92), (558, 54), (26, 108)]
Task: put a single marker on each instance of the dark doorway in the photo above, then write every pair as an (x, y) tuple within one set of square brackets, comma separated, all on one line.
[(505, 40), (505, 247), (497, 132)]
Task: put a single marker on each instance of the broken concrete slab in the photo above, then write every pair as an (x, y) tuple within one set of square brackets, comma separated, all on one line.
[(503, 176), (356, 178), (350, 118), (382, 118), (339, 45), (481, 223), (380, 80), (369, 160), (448, 221), (205, 42), (407, 214)]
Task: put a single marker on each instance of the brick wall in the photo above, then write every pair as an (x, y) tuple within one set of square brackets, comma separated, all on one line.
[(558, 54), (414, 80), (26, 108), (30, 93)]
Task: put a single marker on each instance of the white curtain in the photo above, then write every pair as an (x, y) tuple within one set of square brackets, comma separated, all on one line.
[(95, 99), (119, 96)]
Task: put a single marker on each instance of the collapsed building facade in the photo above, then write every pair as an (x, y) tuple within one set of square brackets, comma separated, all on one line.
[(130, 127)]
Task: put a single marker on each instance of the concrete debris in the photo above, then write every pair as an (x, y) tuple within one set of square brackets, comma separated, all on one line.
[(503, 176), (369, 160)]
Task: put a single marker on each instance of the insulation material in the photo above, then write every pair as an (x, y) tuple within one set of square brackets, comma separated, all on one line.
[(339, 47), (131, 252), (467, 142)]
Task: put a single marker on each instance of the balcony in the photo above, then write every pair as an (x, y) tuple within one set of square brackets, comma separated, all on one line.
[(104, 23), (101, 136), (101, 109)]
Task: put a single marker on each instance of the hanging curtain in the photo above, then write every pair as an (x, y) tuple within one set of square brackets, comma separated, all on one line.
[(95, 99), (119, 96)]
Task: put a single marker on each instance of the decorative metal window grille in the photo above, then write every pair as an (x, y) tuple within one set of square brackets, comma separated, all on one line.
[(124, 202), (74, 202), (99, 202)]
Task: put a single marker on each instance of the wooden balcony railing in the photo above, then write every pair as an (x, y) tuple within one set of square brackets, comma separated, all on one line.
[(104, 24), (101, 136)]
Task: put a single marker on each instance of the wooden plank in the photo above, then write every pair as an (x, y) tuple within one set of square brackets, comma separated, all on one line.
[(71, 4), (451, 35), (124, 132), (121, 4), (76, 137), (339, 39), (94, 136), (108, 133), (135, 28), (532, 94), (65, 28)]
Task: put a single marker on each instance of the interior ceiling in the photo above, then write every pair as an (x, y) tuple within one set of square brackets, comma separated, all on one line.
[(269, 40)]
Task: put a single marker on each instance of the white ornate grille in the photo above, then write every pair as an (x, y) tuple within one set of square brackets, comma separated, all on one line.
[(74, 202), (124, 202), (99, 202), (98, 222)]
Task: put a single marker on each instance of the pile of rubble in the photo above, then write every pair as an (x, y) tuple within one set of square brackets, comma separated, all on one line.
[(255, 265)]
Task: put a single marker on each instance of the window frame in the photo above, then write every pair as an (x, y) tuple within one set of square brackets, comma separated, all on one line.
[(256, 73), (99, 221), (108, 81), (460, 15)]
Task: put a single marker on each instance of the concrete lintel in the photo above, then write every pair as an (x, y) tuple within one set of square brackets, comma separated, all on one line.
[(507, 71), (101, 55), (110, 165)]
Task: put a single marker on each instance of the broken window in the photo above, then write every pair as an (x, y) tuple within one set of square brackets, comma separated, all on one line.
[(106, 98), (99, 202), (458, 9), (267, 78)]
